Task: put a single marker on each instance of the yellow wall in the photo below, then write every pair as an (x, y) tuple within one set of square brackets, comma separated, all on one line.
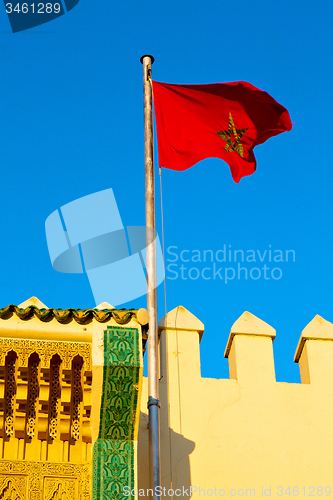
[(249, 432)]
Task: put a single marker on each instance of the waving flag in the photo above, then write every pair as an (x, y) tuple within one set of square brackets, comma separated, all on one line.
[(222, 120)]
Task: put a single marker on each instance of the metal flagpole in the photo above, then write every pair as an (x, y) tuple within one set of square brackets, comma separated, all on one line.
[(153, 401)]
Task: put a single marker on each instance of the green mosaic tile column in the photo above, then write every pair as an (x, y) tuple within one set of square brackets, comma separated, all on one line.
[(114, 450)]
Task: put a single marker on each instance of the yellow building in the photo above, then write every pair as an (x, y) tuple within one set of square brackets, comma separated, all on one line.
[(73, 421), (70, 384)]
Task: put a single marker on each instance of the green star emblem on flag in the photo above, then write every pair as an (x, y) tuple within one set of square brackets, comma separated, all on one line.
[(232, 137)]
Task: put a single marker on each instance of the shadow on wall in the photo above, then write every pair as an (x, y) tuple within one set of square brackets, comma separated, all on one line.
[(175, 460)]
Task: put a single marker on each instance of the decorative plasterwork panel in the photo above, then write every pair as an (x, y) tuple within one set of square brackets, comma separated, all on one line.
[(76, 399), (32, 398), (13, 487), (45, 481), (54, 402), (10, 394), (45, 349), (63, 488)]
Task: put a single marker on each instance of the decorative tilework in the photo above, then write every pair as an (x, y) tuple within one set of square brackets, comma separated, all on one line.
[(114, 457), (113, 468)]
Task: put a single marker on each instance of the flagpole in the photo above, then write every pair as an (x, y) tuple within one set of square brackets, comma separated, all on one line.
[(153, 393)]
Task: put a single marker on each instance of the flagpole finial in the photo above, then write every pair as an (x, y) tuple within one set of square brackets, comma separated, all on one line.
[(147, 55)]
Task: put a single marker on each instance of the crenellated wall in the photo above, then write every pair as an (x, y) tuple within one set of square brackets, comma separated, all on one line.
[(248, 435)]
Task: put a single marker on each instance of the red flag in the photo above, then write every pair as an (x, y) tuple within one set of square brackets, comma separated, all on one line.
[(222, 120)]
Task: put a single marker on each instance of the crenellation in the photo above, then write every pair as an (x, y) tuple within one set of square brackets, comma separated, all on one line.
[(247, 431), (250, 350), (181, 331)]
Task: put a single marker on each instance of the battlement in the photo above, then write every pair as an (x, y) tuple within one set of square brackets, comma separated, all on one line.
[(248, 431), (250, 347)]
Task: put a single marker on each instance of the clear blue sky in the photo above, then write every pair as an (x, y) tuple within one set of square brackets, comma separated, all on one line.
[(72, 124)]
